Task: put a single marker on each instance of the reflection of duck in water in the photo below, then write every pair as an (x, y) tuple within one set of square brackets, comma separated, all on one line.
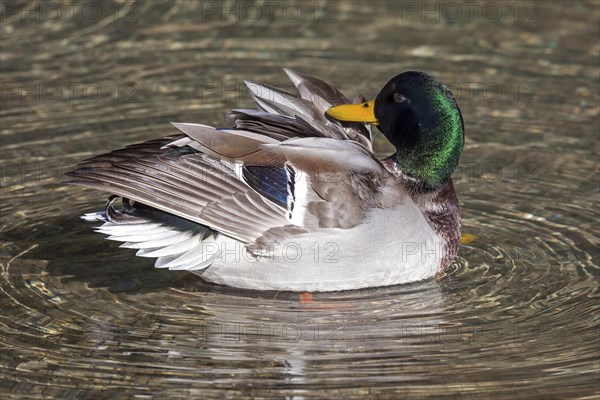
[(344, 333), (291, 199)]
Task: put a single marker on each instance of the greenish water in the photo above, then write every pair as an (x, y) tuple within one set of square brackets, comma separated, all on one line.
[(517, 316)]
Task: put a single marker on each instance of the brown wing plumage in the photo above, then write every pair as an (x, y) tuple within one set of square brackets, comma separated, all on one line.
[(183, 182), (332, 176)]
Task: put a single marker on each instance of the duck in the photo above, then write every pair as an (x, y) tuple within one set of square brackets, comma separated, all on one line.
[(291, 196)]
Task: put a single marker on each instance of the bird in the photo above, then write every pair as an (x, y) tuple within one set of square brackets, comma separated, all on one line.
[(291, 196)]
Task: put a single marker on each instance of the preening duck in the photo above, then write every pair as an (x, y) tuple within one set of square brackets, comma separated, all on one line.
[(292, 196)]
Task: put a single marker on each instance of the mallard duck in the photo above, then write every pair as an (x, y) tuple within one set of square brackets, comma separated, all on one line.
[(292, 196)]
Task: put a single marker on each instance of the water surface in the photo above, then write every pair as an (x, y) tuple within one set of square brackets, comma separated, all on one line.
[(516, 316)]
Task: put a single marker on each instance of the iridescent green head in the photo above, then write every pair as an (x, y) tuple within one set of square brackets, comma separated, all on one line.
[(419, 116)]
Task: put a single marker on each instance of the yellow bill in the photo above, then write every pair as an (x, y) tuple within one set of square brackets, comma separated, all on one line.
[(363, 112)]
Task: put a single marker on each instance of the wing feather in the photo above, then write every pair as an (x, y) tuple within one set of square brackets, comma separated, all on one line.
[(323, 173)]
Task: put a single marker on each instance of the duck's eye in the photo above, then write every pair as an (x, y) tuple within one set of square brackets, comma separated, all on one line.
[(398, 98), (365, 105)]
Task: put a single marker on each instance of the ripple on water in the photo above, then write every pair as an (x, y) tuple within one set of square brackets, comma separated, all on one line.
[(493, 315), (516, 315)]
